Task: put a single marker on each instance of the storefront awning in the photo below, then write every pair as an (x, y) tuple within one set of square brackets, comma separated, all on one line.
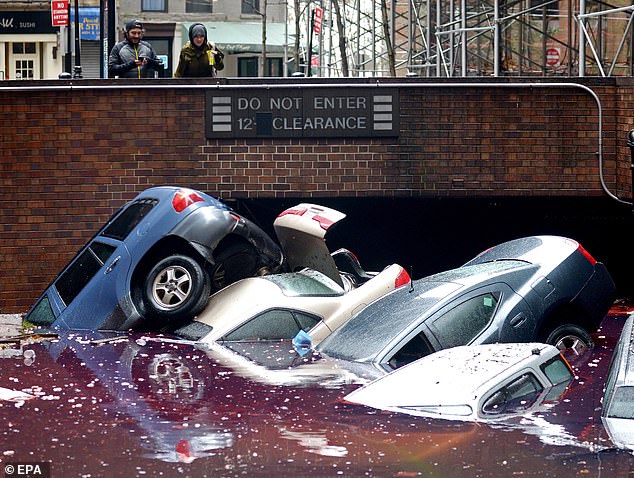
[(246, 37)]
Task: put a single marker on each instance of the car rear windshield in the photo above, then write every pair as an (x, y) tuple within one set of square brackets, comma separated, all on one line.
[(306, 283), (556, 370), (371, 330), (125, 222), (474, 270)]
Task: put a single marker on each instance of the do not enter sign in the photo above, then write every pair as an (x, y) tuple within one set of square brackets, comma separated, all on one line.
[(552, 57)]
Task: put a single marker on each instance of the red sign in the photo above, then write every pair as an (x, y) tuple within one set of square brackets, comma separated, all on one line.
[(59, 13), (552, 57), (318, 14)]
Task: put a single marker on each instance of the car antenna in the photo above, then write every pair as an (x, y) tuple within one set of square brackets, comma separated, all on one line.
[(411, 280)]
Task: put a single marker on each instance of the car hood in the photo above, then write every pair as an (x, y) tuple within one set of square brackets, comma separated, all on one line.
[(301, 231)]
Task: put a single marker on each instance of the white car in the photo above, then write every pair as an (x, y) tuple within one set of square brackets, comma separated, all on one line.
[(322, 293), (472, 383), (618, 396)]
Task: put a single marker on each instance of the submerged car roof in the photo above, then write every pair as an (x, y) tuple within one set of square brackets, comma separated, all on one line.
[(454, 376), (366, 334)]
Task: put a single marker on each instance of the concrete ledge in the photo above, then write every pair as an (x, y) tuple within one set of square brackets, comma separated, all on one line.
[(10, 324)]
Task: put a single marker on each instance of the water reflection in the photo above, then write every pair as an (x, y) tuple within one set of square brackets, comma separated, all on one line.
[(140, 405)]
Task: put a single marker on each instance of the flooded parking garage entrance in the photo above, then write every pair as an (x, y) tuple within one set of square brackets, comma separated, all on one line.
[(143, 405)]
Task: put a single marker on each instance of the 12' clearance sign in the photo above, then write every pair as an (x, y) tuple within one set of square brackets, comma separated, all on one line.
[(308, 112), (59, 13)]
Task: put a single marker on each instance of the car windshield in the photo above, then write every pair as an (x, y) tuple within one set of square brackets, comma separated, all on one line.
[(621, 405), (305, 283), (372, 329)]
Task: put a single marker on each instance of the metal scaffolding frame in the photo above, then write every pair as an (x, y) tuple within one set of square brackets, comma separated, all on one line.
[(459, 38)]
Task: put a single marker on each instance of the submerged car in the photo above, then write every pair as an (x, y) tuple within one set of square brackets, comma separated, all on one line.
[(158, 258), (322, 293), (472, 383), (533, 289), (279, 306), (618, 412)]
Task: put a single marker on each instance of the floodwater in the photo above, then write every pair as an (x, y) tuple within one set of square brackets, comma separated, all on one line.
[(146, 406)]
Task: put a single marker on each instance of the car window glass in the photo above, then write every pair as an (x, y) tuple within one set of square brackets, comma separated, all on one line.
[(306, 283), (613, 371), (416, 348), (305, 321), (102, 251), (516, 396), (128, 219), (461, 324), (42, 313), (82, 269), (271, 325), (556, 370), (621, 405)]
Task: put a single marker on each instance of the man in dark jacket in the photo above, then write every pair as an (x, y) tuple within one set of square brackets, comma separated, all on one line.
[(133, 57), (199, 57)]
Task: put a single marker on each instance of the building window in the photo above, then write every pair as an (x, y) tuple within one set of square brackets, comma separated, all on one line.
[(274, 67), (24, 69), (24, 48), (198, 6), (154, 5), (248, 66), (251, 6)]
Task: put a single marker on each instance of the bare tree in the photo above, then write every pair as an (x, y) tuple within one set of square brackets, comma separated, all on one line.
[(388, 38), (298, 13), (345, 70)]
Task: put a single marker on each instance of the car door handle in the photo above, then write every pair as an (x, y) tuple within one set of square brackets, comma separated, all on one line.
[(518, 320), (112, 265)]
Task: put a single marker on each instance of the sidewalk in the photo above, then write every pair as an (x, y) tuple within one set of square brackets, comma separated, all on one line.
[(10, 325)]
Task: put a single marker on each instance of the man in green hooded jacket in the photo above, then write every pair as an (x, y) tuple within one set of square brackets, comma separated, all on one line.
[(199, 57)]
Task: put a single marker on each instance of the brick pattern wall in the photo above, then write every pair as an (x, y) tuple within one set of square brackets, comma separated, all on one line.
[(70, 158)]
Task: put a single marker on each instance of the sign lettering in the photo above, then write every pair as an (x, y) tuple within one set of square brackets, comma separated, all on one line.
[(59, 13), (323, 112)]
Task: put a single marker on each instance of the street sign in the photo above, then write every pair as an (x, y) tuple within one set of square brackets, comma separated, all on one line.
[(552, 56), (317, 17), (59, 13)]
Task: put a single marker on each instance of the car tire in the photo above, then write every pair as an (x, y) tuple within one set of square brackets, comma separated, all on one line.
[(571, 339), (176, 288), (232, 263)]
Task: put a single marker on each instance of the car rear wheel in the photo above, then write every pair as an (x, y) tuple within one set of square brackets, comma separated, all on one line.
[(176, 288), (234, 262), (571, 339)]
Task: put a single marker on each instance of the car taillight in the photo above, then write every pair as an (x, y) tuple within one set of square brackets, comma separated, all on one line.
[(586, 254), (296, 211), (184, 198), (402, 279), (323, 222)]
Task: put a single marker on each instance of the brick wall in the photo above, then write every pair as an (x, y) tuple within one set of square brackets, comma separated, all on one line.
[(70, 158)]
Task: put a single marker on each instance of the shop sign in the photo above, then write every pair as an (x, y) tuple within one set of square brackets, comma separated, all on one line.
[(306, 112), (89, 25), (25, 22)]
